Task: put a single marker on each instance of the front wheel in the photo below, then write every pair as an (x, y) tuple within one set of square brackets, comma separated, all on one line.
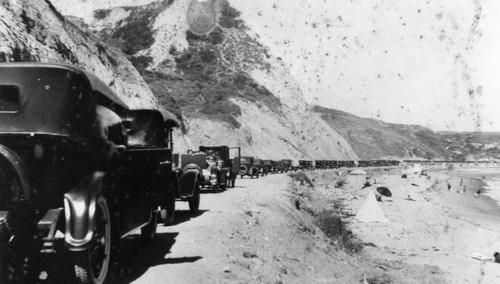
[(168, 213), (91, 265), (194, 201)]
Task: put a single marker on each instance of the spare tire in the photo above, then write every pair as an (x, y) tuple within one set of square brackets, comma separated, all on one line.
[(14, 184), (243, 170)]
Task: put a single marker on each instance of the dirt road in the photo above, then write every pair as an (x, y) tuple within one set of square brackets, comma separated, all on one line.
[(263, 231), (222, 243)]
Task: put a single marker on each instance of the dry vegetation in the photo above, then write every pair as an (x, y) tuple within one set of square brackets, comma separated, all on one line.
[(329, 216), (203, 78)]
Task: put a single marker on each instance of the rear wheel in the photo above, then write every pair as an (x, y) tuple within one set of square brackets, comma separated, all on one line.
[(194, 201), (168, 213), (91, 265), (16, 229)]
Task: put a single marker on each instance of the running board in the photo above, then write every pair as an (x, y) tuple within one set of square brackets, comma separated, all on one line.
[(133, 231)]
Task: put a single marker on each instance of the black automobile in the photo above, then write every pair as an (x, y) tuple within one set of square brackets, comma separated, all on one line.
[(267, 167), (73, 179), (287, 165), (150, 151), (305, 165), (247, 167), (222, 169)]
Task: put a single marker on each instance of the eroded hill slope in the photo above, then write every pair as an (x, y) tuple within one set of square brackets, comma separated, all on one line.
[(34, 31), (225, 86)]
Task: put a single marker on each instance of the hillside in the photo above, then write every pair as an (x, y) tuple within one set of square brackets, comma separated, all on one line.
[(375, 139), (471, 146), (225, 87), (35, 31)]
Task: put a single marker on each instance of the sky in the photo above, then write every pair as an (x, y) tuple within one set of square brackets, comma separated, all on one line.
[(427, 62)]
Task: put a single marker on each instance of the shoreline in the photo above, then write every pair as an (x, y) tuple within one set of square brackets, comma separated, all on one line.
[(475, 183), (438, 227)]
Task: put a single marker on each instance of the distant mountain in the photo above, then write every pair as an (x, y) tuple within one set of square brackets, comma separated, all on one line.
[(472, 146), (375, 139)]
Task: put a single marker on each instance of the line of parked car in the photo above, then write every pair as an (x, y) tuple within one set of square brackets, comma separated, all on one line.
[(80, 170)]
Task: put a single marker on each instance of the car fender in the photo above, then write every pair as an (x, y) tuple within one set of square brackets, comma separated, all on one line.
[(79, 210), (189, 179)]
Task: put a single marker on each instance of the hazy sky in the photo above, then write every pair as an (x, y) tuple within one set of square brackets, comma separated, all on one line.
[(428, 62)]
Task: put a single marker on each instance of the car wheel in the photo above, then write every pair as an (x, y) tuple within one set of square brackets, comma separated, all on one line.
[(168, 213), (6, 269), (215, 187), (91, 265), (194, 201), (148, 232)]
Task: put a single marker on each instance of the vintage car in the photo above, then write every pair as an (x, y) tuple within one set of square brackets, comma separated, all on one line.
[(278, 166), (189, 168), (257, 163), (150, 135), (305, 165), (267, 167), (221, 172), (72, 183), (247, 167), (287, 165)]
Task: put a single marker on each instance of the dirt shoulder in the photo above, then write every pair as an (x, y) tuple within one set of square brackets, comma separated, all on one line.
[(263, 231)]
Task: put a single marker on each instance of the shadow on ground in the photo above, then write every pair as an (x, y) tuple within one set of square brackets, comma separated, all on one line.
[(182, 216), (136, 257)]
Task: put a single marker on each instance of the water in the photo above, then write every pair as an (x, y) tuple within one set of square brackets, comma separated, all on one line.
[(490, 176), (493, 188)]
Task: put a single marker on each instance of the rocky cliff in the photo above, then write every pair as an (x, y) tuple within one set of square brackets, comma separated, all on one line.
[(35, 31)]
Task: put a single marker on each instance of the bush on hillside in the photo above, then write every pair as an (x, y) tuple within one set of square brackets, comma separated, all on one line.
[(341, 182), (302, 178), (334, 227), (140, 62)]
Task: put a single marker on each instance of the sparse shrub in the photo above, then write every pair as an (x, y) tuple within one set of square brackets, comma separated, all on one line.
[(229, 23), (136, 34), (223, 110), (141, 62), (228, 11), (340, 182), (207, 55), (240, 80), (101, 14), (172, 50), (302, 178), (334, 227), (450, 167), (216, 36), (380, 279), (228, 16)]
